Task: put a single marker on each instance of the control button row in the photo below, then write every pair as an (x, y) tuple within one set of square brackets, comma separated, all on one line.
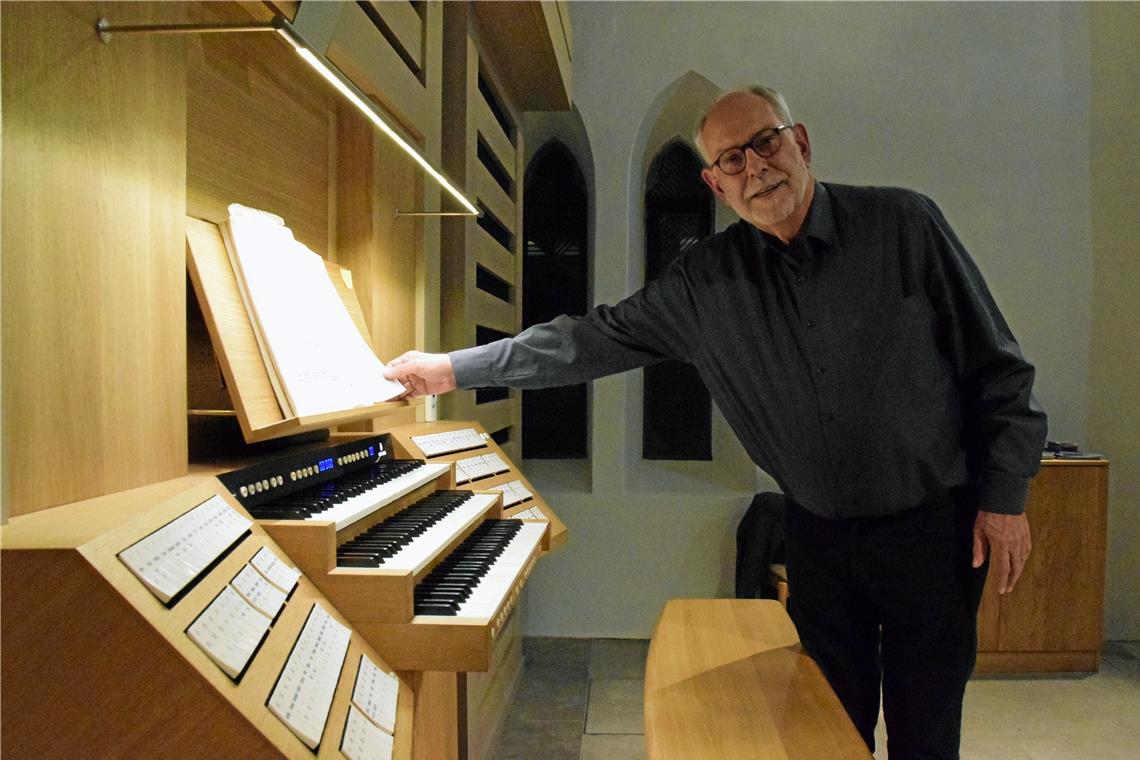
[(261, 485)]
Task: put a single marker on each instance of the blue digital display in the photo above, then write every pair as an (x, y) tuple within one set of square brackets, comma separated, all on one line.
[(325, 464), (371, 451)]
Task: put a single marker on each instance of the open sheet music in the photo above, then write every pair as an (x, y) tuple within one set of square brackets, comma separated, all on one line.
[(318, 362)]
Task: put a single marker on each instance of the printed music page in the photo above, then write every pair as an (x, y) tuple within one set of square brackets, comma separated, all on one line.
[(321, 362)]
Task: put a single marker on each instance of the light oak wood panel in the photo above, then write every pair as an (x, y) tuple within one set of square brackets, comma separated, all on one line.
[(93, 287), (725, 678), (494, 257), (487, 126), (1058, 604), (464, 242), (1038, 662), (496, 415), (489, 193), (405, 24), (532, 36), (258, 130), (383, 251), (494, 312), (360, 51), (1053, 619), (489, 694), (96, 649), (287, 8), (436, 728)]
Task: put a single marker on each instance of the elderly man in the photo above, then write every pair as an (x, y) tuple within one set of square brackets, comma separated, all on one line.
[(853, 346)]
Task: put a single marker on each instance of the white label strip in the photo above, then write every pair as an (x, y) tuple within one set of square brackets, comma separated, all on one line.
[(479, 467), (168, 559), (433, 444), (228, 631), (534, 513), (513, 492), (304, 692), (275, 571), (363, 740), (376, 693), (259, 592)]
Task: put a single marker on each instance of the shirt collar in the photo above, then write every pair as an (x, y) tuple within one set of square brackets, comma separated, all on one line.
[(818, 227)]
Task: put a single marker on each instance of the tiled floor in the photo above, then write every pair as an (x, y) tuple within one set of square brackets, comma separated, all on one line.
[(582, 699)]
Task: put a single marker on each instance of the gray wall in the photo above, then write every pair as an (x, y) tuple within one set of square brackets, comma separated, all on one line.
[(984, 107)]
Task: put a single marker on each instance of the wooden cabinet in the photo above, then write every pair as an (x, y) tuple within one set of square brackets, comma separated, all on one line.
[(1054, 619)]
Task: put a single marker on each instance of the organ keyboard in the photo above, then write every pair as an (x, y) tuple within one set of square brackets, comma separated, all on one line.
[(480, 464), (426, 573)]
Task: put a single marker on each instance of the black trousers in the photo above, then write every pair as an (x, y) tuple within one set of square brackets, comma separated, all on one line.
[(891, 601)]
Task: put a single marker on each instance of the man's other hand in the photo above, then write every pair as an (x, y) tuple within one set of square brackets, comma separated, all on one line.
[(422, 374), (1006, 537)]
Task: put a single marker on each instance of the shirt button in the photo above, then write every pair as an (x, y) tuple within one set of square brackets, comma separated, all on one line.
[(799, 278), (820, 370), (811, 323)]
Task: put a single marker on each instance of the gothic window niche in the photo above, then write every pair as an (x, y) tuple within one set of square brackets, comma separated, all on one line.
[(555, 281), (679, 211)]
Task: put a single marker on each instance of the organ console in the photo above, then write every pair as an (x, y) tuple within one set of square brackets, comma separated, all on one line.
[(315, 590), (427, 572), (96, 664)]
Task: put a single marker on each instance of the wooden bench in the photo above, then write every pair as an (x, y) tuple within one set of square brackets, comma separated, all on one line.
[(725, 679)]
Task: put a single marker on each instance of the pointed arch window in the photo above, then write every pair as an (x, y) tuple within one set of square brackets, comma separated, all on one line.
[(555, 281), (679, 211)]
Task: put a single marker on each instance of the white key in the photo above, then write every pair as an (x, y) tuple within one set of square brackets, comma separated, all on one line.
[(427, 545), (502, 575), (362, 505)]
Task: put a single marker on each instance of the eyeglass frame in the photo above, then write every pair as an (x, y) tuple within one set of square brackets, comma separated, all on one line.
[(743, 148)]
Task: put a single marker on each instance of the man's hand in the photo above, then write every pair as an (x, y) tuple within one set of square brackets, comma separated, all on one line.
[(422, 374), (1007, 539)]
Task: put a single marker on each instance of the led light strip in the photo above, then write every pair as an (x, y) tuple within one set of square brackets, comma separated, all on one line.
[(330, 73)]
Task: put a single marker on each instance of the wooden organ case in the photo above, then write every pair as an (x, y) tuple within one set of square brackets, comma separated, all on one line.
[(116, 158)]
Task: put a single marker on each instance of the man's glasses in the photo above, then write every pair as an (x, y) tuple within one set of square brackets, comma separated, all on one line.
[(764, 143)]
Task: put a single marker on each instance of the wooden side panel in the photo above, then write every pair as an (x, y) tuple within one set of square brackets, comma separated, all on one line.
[(82, 669), (1058, 605), (94, 285), (493, 135), (111, 671), (489, 694), (535, 38), (436, 728), (469, 121)]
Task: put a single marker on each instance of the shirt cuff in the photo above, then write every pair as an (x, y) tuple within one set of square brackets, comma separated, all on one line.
[(1003, 493), (470, 367)]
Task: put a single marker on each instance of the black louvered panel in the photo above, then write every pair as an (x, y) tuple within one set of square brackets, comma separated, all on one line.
[(677, 409), (555, 281)]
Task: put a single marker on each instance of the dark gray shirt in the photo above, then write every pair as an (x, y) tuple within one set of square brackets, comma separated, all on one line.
[(865, 366)]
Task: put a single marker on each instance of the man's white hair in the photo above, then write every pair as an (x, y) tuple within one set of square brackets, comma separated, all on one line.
[(774, 98)]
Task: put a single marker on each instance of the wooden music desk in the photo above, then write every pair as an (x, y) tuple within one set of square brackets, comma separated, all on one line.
[(725, 678)]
